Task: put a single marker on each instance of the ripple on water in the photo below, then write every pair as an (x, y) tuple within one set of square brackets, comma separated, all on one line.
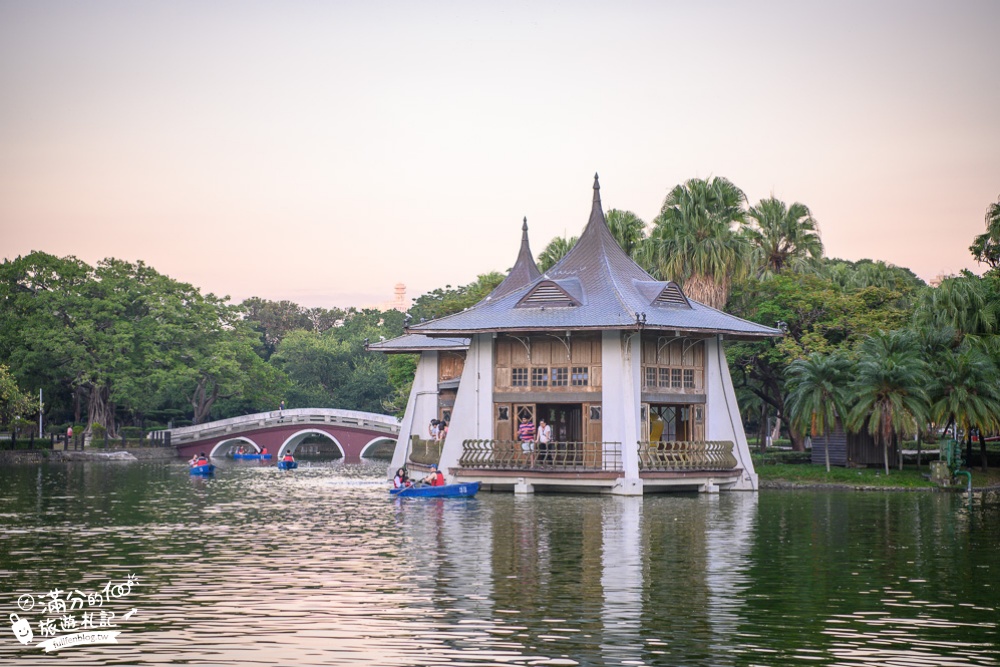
[(318, 566)]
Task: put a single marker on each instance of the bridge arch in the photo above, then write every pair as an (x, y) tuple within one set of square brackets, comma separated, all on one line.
[(223, 446), (375, 441), (296, 439)]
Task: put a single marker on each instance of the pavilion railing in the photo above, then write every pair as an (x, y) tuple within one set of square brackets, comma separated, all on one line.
[(425, 452), (553, 456), (683, 455)]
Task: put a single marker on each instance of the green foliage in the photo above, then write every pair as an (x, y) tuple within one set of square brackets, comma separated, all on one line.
[(629, 230), (986, 247), (13, 402), (333, 369), (121, 338), (557, 248), (446, 301), (401, 370), (274, 320)]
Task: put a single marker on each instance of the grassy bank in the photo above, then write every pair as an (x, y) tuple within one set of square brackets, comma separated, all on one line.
[(776, 473)]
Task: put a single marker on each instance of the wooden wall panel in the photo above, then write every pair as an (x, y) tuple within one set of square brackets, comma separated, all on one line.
[(503, 352)]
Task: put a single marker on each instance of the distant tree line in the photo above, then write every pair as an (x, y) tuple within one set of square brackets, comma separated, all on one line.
[(119, 344), (867, 343)]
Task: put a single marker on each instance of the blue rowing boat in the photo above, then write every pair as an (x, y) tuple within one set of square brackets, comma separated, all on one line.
[(463, 490), (288, 465), (251, 457), (206, 470)]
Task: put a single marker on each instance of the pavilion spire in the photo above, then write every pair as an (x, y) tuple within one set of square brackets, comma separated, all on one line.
[(524, 271)]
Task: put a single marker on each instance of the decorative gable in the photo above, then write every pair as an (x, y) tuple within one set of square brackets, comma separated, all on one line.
[(671, 295), (547, 293)]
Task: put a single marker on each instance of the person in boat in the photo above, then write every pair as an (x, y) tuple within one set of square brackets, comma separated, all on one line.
[(288, 458), (436, 478), (263, 451), (401, 480), (200, 460)]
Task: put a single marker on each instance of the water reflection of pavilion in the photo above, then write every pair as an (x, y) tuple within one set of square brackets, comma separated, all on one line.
[(629, 373), (628, 579)]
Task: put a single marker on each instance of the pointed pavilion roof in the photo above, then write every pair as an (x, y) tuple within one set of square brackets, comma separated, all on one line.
[(596, 286), (524, 271)]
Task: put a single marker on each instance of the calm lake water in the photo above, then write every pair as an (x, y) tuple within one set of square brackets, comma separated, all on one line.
[(318, 567)]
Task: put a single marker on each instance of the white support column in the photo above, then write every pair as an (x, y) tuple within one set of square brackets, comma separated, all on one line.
[(421, 407), (722, 421), (620, 400), (472, 416)]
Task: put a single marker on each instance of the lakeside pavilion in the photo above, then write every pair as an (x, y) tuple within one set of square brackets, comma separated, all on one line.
[(629, 373)]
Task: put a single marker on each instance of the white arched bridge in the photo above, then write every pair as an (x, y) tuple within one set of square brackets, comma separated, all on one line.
[(354, 433)]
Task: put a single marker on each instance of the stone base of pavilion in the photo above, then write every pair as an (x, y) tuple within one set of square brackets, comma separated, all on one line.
[(614, 483)]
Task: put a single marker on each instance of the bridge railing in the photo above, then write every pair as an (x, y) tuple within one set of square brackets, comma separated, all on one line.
[(301, 416)]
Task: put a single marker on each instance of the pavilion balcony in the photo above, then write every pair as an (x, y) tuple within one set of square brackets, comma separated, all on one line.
[(551, 457), (682, 455), (582, 457)]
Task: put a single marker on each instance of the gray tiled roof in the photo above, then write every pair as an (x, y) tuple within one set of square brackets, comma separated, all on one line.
[(410, 343), (612, 292), (524, 270)]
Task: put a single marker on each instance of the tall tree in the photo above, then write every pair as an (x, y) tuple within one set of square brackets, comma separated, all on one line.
[(274, 320), (986, 247), (782, 237), (695, 239), (817, 394), (965, 393), (890, 389)]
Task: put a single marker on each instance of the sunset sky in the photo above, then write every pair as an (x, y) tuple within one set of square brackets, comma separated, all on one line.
[(323, 151)]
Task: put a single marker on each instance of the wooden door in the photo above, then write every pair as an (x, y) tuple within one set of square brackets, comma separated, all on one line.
[(503, 426)]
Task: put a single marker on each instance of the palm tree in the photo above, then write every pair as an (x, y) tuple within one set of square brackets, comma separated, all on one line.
[(554, 251), (695, 241), (965, 303), (935, 345), (628, 229), (817, 397), (782, 237), (889, 390), (965, 393), (986, 247)]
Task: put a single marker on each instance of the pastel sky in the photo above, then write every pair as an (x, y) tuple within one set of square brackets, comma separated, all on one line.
[(323, 151)]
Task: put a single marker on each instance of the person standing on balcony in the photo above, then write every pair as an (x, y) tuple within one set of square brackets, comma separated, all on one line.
[(544, 438), (526, 434)]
